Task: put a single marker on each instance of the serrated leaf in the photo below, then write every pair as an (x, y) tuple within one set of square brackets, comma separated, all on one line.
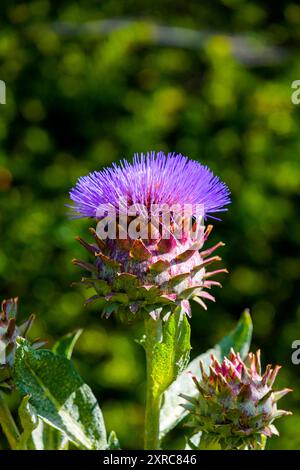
[(167, 352), (59, 395), (171, 411), (65, 345)]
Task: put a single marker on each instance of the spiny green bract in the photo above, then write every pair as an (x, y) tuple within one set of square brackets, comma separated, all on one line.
[(143, 277)]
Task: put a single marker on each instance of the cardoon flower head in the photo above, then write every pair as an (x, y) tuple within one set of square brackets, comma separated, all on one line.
[(150, 227), (236, 404)]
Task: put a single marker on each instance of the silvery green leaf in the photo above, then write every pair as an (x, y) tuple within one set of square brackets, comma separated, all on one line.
[(59, 395)]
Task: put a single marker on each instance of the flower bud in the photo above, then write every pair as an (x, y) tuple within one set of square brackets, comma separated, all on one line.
[(9, 332), (236, 404)]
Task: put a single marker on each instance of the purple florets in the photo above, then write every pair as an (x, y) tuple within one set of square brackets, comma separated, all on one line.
[(154, 178)]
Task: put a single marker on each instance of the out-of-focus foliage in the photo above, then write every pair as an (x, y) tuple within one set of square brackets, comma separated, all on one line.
[(81, 100)]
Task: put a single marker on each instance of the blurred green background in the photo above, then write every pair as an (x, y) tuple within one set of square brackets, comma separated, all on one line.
[(89, 82)]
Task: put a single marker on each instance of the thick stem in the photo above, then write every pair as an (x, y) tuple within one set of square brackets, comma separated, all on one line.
[(152, 422), (8, 424), (153, 329)]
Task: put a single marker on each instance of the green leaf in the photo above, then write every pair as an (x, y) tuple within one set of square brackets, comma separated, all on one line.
[(59, 395), (65, 345), (29, 421), (171, 411), (239, 339), (167, 345), (113, 442), (52, 438), (37, 435)]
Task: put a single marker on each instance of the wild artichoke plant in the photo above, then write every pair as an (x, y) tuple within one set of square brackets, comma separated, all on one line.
[(236, 404), (160, 268), (148, 262)]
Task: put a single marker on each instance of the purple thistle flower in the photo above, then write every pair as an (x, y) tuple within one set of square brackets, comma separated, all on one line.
[(150, 272), (154, 178)]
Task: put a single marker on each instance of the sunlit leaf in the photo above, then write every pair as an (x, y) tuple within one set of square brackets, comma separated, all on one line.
[(59, 395)]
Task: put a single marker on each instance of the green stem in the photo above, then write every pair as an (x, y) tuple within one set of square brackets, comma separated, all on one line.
[(8, 424), (152, 422), (153, 330)]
